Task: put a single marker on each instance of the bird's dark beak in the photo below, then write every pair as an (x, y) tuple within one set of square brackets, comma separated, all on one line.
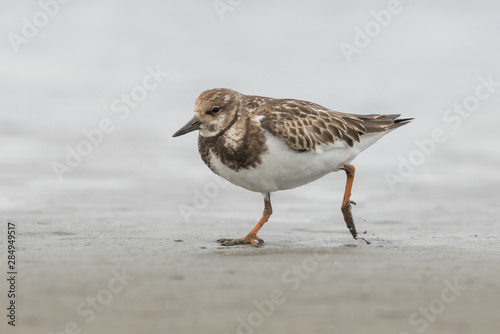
[(193, 124)]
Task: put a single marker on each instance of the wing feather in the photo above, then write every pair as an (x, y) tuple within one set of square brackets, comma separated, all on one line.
[(304, 125)]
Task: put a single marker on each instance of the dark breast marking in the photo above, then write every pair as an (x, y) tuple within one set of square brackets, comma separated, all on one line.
[(245, 156)]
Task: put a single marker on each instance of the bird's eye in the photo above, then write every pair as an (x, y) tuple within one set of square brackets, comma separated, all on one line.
[(214, 110)]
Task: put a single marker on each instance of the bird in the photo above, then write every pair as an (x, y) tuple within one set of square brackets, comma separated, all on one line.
[(265, 145)]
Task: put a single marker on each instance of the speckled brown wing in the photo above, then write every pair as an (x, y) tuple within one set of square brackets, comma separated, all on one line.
[(305, 125)]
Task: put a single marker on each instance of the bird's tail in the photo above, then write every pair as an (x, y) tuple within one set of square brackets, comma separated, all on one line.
[(398, 121), (380, 123)]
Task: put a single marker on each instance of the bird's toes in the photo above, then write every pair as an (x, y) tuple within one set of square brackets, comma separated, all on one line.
[(230, 242), (359, 238), (254, 241), (223, 240)]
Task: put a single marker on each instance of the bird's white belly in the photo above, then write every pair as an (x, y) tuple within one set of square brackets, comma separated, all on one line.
[(284, 168)]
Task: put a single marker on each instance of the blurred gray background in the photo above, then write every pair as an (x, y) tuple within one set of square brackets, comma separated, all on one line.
[(66, 78)]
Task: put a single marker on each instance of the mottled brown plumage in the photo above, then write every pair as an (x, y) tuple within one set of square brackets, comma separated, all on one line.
[(302, 125), (305, 125), (244, 156)]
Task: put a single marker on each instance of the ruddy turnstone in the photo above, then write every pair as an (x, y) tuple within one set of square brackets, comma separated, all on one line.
[(265, 145)]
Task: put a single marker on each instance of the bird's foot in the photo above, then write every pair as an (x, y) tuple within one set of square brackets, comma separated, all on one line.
[(346, 211), (249, 239), (359, 238), (355, 234)]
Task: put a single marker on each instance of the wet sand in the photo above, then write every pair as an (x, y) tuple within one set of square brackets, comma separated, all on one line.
[(112, 253)]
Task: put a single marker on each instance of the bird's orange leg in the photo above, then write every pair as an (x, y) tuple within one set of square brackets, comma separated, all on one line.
[(252, 236), (346, 203)]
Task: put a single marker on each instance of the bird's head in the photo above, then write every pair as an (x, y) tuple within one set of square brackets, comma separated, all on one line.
[(214, 110)]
